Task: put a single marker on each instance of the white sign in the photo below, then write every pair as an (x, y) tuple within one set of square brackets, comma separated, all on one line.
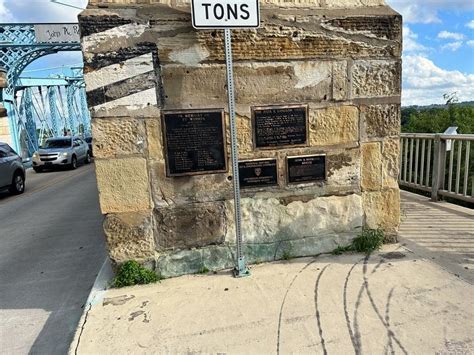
[(57, 33), (215, 14)]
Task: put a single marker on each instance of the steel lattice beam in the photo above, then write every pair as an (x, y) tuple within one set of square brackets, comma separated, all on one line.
[(18, 48)]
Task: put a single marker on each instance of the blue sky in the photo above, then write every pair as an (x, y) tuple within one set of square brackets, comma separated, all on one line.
[(438, 43)]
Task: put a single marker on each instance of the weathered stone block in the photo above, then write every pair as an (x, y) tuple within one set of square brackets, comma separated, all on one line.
[(371, 166), (390, 162), (294, 36), (340, 86), (154, 136), (268, 83), (382, 210), (271, 220), (123, 185), (388, 26), (195, 225), (130, 236), (376, 78), (118, 136), (337, 3), (343, 167), (187, 189), (381, 120), (333, 125)]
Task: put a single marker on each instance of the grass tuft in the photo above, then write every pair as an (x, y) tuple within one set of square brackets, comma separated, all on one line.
[(132, 273), (366, 242)]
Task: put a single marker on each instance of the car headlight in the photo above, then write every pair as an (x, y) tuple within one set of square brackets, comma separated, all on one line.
[(65, 154), (35, 155)]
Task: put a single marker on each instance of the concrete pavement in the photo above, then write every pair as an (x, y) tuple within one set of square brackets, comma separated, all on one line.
[(392, 302), (51, 248)]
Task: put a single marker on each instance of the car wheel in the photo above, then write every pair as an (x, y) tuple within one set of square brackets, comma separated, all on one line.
[(18, 184), (38, 170), (88, 158), (73, 162)]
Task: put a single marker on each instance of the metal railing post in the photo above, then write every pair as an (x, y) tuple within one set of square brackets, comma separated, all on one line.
[(439, 161)]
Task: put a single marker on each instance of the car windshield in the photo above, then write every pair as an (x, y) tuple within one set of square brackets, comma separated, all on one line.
[(57, 143)]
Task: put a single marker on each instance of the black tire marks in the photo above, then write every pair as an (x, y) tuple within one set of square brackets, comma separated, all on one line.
[(354, 331), (355, 341), (284, 300), (318, 315), (365, 285)]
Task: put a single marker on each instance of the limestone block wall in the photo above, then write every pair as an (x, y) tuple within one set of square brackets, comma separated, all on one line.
[(341, 58)]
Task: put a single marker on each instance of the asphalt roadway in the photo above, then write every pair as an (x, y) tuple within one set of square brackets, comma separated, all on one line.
[(51, 249)]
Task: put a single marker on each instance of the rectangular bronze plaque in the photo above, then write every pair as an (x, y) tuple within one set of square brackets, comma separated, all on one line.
[(306, 168), (258, 173), (277, 126), (194, 142)]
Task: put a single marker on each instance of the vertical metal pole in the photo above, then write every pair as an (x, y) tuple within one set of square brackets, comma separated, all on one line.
[(241, 267), (438, 166)]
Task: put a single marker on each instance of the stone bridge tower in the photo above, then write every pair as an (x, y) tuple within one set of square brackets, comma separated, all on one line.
[(337, 61)]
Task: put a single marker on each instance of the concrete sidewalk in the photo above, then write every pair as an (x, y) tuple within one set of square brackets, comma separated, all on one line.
[(392, 302)]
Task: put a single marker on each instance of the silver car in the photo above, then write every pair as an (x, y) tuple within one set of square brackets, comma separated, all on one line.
[(12, 172), (61, 151)]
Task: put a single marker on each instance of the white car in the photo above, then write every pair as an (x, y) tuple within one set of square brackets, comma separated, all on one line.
[(61, 151)]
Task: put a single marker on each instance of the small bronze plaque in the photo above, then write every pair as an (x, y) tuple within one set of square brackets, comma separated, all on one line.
[(194, 142), (280, 126), (258, 173), (306, 168)]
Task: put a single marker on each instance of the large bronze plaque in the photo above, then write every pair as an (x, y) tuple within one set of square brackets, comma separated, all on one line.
[(306, 168), (258, 173), (194, 142), (280, 126)]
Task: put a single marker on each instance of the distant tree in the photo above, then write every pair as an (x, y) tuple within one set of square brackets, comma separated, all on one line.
[(438, 119)]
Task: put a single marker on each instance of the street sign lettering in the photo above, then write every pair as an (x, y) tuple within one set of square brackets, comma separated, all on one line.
[(210, 14)]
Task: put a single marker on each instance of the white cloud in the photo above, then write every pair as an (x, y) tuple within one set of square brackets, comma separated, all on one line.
[(425, 83), (470, 24), (410, 43), (453, 46), (450, 35), (426, 11), (44, 10), (5, 14), (470, 43)]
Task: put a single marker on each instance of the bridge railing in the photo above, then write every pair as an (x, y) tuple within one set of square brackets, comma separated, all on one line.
[(440, 164)]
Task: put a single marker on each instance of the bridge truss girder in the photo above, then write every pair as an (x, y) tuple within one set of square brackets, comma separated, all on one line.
[(18, 48)]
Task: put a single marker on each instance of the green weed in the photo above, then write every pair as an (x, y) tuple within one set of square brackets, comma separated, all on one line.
[(366, 242), (132, 273)]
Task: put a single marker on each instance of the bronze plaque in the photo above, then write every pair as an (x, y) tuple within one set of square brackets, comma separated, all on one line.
[(306, 168), (258, 173), (194, 142), (280, 126)]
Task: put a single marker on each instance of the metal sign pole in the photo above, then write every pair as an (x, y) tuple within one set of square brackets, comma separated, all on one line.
[(241, 265)]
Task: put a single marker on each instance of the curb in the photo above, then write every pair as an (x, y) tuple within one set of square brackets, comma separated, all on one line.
[(96, 295)]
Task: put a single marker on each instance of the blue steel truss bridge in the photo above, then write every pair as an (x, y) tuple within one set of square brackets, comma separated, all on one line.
[(41, 107)]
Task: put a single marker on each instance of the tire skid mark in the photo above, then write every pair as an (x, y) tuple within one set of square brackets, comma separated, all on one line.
[(284, 300), (387, 320), (355, 344), (365, 285), (318, 315)]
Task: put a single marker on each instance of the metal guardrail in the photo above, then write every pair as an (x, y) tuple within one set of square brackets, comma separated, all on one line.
[(440, 164)]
